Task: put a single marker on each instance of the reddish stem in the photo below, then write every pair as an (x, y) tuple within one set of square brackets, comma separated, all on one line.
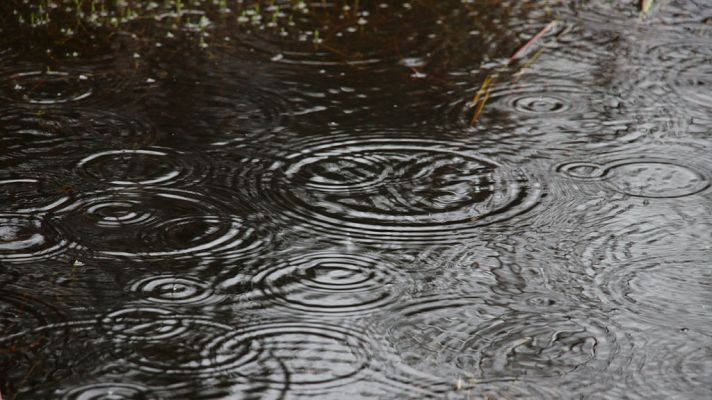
[(522, 50)]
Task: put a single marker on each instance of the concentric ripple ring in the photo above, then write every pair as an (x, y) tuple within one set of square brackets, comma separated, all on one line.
[(329, 283), (396, 189)]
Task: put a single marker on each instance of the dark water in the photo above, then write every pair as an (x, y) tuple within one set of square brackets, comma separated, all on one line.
[(257, 210)]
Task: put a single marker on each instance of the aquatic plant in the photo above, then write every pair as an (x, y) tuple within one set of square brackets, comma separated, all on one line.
[(131, 16)]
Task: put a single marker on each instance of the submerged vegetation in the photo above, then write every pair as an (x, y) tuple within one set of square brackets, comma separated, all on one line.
[(285, 18), (210, 22), (281, 16), (68, 25), (353, 32)]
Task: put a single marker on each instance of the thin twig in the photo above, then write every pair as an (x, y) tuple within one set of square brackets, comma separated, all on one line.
[(523, 50), (481, 90), (488, 89), (484, 91), (529, 63)]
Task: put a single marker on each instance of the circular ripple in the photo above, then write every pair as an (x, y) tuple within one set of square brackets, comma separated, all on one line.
[(297, 354), (405, 190), (191, 237), (676, 365), (581, 170), (655, 178), (531, 100), (154, 223), (539, 104), (649, 177), (467, 268), (21, 311), (664, 292), (561, 113), (172, 289), (144, 324), (428, 332), (314, 355), (31, 195), (619, 236), (191, 352), (329, 283), (33, 136), (110, 391), (141, 167), (25, 238), (686, 68), (114, 80), (48, 87), (183, 349), (469, 337), (535, 345)]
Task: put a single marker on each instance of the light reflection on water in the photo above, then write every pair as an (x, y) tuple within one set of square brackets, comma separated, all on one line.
[(291, 201)]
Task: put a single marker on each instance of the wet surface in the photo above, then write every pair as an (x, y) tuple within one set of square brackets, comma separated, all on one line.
[(295, 201)]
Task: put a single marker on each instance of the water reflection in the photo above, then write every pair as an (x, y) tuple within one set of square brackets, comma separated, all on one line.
[(293, 200)]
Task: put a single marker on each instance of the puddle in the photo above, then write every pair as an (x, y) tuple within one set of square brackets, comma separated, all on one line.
[(342, 199)]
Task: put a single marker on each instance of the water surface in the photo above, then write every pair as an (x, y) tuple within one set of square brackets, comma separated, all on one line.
[(295, 201)]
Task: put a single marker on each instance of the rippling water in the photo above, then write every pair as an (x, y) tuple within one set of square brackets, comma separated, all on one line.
[(298, 200)]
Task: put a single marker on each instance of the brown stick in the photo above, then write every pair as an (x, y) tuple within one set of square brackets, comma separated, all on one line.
[(483, 90), (522, 50), (487, 88), (482, 95)]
